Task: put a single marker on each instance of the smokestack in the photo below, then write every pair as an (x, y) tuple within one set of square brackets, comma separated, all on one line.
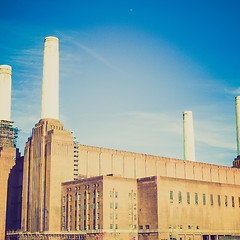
[(237, 104), (189, 148), (50, 81), (5, 92)]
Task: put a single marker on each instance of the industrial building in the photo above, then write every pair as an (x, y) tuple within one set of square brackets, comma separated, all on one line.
[(67, 190)]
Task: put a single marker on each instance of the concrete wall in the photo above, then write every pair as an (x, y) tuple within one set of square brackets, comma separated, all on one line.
[(95, 161)]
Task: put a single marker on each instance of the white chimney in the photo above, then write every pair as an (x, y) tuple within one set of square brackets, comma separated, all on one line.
[(237, 104), (189, 146), (5, 92), (50, 81)]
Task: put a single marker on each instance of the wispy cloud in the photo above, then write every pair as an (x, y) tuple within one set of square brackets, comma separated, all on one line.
[(235, 91)]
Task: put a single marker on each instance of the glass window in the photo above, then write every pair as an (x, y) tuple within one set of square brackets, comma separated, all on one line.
[(134, 195), (88, 195), (79, 217), (188, 198), (179, 197), (116, 216), (70, 198), (204, 199), (111, 205), (233, 204), (111, 216), (88, 216), (135, 206), (98, 205), (98, 194), (76, 197), (116, 226), (79, 196), (98, 216), (226, 200), (116, 194), (111, 194), (171, 195), (196, 198), (219, 200), (111, 226), (79, 207), (116, 205), (211, 199)]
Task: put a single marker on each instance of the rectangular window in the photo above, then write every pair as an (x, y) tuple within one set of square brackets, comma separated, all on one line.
[(116, 216), (116, 205), (116, 226), (63, 199), (188, 198), (98, 216), (79, 196), (88, 216), (219, 200), (70, 208), (226, 200), (88, 195), (111, 194), (111, 205), (238, 201), (204, 199), (233, 204), (211, 199), (79, 217), (147, 227), (98, 205), (63, 208), (98, 226), (94, 205), (135, 206), (111, 226), (196, 198), (70, 198), (111, 216), (171, 196), (140, 227), (179, 197), (134, 195), (98, 194), (116, 194)]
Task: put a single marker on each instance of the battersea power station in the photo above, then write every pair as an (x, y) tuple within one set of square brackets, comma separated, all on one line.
[(61, 189)]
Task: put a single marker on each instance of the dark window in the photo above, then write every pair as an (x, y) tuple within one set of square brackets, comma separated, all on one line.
[(196, 198), (179, 197), (226, 200), (233, 205), (219, 200), (188, 197), (211, 199), (171, 196), (204, 199)]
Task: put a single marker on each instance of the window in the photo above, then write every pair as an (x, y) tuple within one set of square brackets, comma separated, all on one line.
[(111, 194), (111, 226), (135, 206), (196, 198), (188, 198), (98, 205), (79, 227), (70, 198), (116, 226), (238, 201), (88, 195), (171, 196), (63, 208), (116, 194), (79, 196), (135, 217), (116, 216), (219, 200), (63, 199), (147, 227), (134, 195), (116, 205), (70, 208), (88, 217), (226, 200), (84, 206), (189, 227), (111, 216), (88, 226), (204, 199), (111, 205), (233, 204), (140, 227), (179, 197), (79, 217), (94, 205), (211, 199), (63, 219), (98, 226), (135, 226), (98, 216), (98, 194), (79, 207)]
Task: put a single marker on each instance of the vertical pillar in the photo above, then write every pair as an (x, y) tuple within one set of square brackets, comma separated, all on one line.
[(50, 80), (237, 105), (5, 92), (188, 133)]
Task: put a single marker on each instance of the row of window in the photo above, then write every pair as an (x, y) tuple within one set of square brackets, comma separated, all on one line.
[(85, 206), (85, 217), (196, 198), (85, 187), (87, 227), (78, 196)]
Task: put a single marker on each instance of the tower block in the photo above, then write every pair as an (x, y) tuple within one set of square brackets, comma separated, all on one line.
[(48, 154), (47, 162)]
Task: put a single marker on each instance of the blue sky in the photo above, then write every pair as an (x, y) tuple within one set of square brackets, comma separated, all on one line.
[(128, 70)]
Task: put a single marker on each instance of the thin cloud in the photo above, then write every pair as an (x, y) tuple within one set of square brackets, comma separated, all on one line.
[(233, 92)]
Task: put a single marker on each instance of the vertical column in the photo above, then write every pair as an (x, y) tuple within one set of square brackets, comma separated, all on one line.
[(189, 147), (50, 80), (5, 92), (237, 105)]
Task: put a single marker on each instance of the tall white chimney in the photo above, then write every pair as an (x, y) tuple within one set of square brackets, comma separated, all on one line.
[(5, 92), (189, 146), (50, 81), (237, 104)]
